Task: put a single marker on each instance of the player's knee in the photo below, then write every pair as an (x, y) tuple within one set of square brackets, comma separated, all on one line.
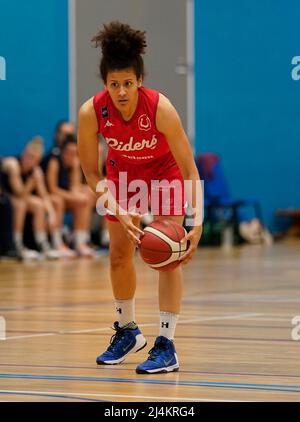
[(57, 202), (90, 199), (119, 258), (37, 206)]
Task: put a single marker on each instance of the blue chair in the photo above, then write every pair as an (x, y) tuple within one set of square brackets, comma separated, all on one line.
[(218, 203)]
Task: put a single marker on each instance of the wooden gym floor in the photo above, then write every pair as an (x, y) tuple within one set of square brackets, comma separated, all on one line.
[(233, 339)]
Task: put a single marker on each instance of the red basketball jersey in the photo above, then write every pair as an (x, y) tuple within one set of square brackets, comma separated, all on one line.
[(136, 141)]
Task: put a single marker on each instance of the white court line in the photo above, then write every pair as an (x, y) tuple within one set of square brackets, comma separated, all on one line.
[(239, 316), (185, 321), (31, 336), (114, 395), (94, 330), (98, 329), (288, 320)]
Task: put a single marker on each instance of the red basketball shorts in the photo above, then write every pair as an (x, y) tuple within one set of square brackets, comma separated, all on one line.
[(155, 187)]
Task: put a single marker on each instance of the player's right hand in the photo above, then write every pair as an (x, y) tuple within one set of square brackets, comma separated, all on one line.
[(132, 231)]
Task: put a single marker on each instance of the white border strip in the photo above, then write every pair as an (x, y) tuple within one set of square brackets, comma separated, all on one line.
[(72, 61), (190, 48)]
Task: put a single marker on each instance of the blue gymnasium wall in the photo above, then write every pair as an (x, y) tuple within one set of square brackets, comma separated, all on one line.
[(34, 96), (248, 96)]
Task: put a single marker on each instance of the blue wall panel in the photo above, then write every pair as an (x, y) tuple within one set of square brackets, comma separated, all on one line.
[(247, 103), (34, 43)]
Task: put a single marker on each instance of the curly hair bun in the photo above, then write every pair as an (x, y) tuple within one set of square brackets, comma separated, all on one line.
[(118, 40)]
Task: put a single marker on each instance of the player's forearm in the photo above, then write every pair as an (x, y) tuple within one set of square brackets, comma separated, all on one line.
[(106, 201), (23, 189), (93, 180)]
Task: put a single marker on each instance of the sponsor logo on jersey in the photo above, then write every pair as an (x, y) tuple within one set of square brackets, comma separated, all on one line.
[(144, 122), (109, 124), (131, 145)]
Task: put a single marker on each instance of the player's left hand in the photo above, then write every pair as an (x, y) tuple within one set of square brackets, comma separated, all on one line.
[(193, 238)]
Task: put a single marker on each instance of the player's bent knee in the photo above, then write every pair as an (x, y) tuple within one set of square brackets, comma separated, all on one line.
[(58, 202), (36, 206), (120, 259)]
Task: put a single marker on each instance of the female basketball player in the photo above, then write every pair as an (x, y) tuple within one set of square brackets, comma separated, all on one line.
[(145, 139)]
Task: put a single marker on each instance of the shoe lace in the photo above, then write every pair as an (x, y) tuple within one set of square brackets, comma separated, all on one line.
[(116, 338), (156, 350)]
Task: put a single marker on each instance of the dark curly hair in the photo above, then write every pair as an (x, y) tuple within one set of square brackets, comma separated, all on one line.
[(122, 48)]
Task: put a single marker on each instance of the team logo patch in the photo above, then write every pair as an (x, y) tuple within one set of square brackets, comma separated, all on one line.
[(144, 122), (112, 163), (104, 112), (109, 124)]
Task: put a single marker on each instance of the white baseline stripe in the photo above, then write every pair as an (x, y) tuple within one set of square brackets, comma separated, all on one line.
[(94, 330)]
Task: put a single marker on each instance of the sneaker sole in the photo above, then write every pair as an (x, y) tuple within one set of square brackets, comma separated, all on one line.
[(118, 361), (158, 371)]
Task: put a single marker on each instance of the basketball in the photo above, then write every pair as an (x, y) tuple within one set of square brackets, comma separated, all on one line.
[(161, 245)]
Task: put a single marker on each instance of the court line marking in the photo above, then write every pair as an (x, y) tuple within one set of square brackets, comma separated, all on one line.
[(104, 329), (120, 369), (210, 384), (51, 393)]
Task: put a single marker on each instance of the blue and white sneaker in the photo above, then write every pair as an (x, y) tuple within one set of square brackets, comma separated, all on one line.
[(128, 339), (162, 358)]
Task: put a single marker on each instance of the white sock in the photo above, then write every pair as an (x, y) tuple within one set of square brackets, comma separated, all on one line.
[(88, 237), (80, 238), (125, 311), (168, 322), (18, 239), (56, 239), (41, 237)]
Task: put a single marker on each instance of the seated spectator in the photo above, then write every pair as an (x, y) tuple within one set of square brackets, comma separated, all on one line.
[(63, 131), (24, 182), (64, 179), (6, 223)]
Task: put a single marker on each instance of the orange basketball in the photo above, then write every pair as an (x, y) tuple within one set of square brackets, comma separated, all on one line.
[(160, 246)]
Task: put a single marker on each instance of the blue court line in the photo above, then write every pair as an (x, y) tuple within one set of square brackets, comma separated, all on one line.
[(10, 393), (265, 387), (104, 368)]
